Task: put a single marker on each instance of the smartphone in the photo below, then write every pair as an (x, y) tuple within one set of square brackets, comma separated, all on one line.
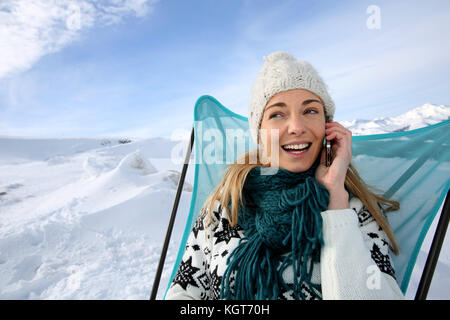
[(328, 154), (327, 146)]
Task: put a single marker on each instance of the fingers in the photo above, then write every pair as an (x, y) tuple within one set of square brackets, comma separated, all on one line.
[(336, 125), (333, 133), (336, 130), (342, 136)]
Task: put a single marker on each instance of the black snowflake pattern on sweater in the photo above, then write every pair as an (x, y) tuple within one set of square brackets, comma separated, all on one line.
[(185, 274), (225, 232), (380, 246), (216, 281), (382, 260)]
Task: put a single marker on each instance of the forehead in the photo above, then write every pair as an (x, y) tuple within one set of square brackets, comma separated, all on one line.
[(296, 94)]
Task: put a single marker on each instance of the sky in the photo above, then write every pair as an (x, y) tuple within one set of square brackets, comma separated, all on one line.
[(135, 68)]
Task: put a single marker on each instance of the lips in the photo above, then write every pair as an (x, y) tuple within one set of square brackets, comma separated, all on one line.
[(292, 147), (297, 153)]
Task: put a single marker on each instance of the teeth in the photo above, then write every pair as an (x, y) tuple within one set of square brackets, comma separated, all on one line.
[(296, 146)]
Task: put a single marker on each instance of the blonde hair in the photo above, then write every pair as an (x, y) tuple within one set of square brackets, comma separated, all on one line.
[(233, 181)]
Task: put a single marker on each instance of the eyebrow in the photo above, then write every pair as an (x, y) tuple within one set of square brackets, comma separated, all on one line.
[(282, 104)]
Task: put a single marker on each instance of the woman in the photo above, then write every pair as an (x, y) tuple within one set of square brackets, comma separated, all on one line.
[(303, 230)]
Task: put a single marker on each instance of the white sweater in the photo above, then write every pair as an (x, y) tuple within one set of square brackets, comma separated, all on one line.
[(354, 261)]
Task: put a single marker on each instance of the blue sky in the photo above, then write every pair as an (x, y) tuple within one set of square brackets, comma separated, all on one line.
[(136, 67)]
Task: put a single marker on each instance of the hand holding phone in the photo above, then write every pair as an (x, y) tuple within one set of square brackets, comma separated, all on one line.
[(336, 157)]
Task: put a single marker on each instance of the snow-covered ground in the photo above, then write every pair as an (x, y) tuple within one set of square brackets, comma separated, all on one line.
[(86, 218), (83, 220)]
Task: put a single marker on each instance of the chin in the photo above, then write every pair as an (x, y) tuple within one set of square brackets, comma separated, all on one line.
[(300, 166)]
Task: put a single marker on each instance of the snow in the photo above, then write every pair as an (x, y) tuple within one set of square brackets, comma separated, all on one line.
[(86, 218), (425, 115)]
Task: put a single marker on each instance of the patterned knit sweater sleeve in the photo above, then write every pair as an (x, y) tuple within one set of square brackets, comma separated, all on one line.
[(193, 278), (355, 261)]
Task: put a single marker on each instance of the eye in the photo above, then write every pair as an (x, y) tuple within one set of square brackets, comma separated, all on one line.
[(274, 114), (313, 110)]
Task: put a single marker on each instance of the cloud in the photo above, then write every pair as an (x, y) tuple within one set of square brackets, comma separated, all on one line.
[(364, 69), (30, 30)]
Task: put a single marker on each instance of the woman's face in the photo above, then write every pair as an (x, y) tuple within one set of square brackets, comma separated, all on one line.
[(300, 119)]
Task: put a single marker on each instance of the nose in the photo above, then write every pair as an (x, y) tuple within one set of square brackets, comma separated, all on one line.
[(296, 125)]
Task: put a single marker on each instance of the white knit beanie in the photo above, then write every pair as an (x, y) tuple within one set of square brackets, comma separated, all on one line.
[(282, 72)]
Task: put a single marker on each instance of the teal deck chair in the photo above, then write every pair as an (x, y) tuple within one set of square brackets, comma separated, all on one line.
[(412, 167)]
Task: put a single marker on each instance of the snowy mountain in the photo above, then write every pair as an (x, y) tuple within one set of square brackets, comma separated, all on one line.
[(419, 117), (85, 218)]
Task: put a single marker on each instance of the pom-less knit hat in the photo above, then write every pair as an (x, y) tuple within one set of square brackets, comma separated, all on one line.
[(282, 72)]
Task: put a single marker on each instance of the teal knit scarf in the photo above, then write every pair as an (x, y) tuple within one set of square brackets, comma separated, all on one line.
[(282, 228)]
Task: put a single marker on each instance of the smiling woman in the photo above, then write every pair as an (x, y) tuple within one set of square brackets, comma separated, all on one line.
[(299, 118), (286, 234)]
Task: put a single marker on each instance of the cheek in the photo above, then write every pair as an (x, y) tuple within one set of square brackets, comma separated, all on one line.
[(318, 129), (265, 134), (317, 133), (320, 135)]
